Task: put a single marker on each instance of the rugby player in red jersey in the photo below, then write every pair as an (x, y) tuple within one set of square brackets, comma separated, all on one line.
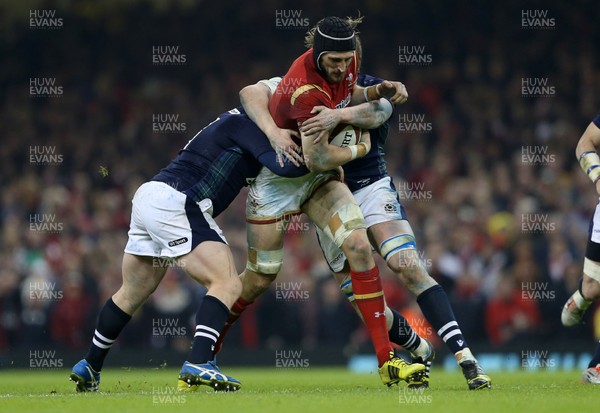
[(325, 75)]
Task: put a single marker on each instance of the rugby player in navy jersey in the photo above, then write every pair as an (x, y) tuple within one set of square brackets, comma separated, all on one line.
[(172, 219), (393, 238), (589, 285)]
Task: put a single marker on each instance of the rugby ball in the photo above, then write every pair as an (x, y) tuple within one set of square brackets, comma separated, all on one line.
[(345, 135)]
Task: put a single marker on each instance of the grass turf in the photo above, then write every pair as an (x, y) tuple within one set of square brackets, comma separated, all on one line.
[(265, 390)]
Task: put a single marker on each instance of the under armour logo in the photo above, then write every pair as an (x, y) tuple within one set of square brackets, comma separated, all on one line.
[(460, 342), (378, 314)]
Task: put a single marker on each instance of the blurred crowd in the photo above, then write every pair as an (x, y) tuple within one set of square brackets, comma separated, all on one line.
[(488, 175)]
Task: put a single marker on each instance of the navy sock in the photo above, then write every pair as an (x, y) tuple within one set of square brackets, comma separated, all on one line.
[(596, 359), (111, 321), (436, 308), (210, 319), (402, 333)]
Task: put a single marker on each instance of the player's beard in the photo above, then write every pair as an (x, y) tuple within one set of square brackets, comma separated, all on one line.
[(335, 77)]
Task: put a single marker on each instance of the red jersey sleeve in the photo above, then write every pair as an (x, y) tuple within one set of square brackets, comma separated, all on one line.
[(303, 103)]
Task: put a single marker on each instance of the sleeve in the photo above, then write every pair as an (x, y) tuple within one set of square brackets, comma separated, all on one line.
[(271, 83), (269, 160), (251, 139), (597, 120), (305, 102)]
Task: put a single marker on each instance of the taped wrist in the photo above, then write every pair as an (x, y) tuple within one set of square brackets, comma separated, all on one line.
[(590, 164)]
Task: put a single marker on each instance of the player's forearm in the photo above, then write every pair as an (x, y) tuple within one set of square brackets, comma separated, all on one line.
[(325, 157), (364, 94), (369, 115), (255, 101)]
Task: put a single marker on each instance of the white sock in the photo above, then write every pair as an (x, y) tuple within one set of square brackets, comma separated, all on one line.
[(463, 355), (580, 301), (422, 350)]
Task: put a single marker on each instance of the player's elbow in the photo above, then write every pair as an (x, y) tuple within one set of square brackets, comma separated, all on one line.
[(316, 164), (244, 94), (383, 111)]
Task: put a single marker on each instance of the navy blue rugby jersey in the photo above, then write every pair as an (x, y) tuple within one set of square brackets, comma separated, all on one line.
[(220, 159), (370, 168)]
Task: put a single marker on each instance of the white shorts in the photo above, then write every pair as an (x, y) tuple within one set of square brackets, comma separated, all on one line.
[(272, 198), (166, 223), (379, 203)]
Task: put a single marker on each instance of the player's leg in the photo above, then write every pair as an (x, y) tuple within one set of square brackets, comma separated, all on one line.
[(592, 373), (396, 244), (211, 264), (265, 257), (588, 292), (589, 285), (399, 330), (140, 279), (271, 200), (332, 208)]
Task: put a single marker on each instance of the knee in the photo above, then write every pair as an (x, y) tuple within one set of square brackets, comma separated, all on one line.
[(235, 286), (405, 263), (255, 284), (357, 246), (410, 270)]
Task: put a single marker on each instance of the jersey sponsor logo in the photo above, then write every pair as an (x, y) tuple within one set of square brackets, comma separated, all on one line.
[(178, 242), (378, 314), (344, 102)]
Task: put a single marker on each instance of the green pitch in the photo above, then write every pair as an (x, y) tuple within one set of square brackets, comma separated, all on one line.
[(265, 390)]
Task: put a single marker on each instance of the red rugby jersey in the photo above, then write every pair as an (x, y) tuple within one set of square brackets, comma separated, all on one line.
[(303, 87)]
